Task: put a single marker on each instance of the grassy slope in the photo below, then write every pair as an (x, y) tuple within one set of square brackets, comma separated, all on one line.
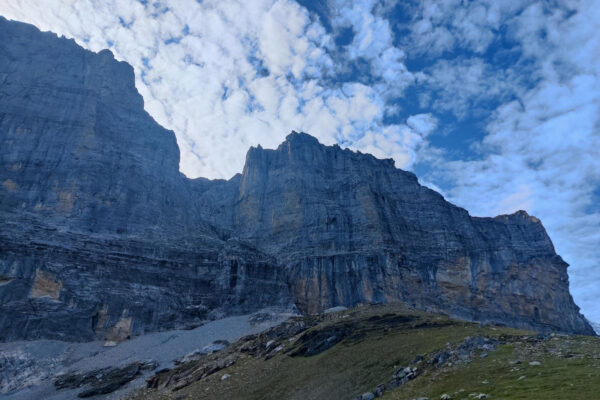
[(570, 369), (359, 364)]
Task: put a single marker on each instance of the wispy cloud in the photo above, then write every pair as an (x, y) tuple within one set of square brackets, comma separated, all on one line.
[(225, 75), (437, 27), (542, 149)]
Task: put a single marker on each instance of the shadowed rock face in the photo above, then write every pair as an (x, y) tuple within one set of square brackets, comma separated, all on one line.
[(350, 228), (99, 234), (102, 236)]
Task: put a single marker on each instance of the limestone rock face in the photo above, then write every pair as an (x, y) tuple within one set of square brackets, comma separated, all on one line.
[(99, 236), (350, 228), (78, 149), (102, 237)]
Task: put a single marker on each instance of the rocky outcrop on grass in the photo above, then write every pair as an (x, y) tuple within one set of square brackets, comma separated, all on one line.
[(102, 381)]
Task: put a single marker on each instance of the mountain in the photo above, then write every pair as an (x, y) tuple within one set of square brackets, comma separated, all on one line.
[(103, 238), (349, 228), (100, 237)]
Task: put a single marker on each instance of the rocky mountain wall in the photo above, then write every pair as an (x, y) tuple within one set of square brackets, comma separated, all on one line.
[(99, 236), (102, 237), (350, 228)]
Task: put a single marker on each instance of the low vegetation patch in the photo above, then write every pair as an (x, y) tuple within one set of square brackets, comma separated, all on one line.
[(388, 352)]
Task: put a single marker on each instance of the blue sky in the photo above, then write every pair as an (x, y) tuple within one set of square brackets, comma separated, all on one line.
[(496, 104)]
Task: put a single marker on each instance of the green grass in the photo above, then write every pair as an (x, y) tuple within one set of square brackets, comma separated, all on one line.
[(357, 365), (556, 378)]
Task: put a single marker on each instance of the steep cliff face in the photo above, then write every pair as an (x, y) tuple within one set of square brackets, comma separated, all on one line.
[(350, 228), (103, 237), (99, 236), (78, 147)]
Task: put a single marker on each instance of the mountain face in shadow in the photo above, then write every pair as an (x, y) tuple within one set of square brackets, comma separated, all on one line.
[(103, 237)]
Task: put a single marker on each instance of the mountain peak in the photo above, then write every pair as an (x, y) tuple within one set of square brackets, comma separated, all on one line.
[(301, 138)]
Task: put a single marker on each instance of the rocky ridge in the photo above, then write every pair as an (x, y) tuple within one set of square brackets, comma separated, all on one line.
[(103, 237)]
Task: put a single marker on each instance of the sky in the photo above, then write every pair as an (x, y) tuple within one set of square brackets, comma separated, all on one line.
[(495, 104)]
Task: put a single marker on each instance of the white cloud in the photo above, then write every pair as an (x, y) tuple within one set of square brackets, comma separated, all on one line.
[(395, 142), (224, 75), (424, 124), (542, 150), (373, 41), (520, 199), (463, 84), (442, 26)]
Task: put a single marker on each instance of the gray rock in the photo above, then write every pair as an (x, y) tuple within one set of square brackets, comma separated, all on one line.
[(417, 360), (100, 236), (466, 350), (335, 309), (215, 346), (193, 355), (102, 381), (39, 362), (18, 370), (440, 358), (402, 376), (379, 390), (317, 341), (103, 238), (340, 220)]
